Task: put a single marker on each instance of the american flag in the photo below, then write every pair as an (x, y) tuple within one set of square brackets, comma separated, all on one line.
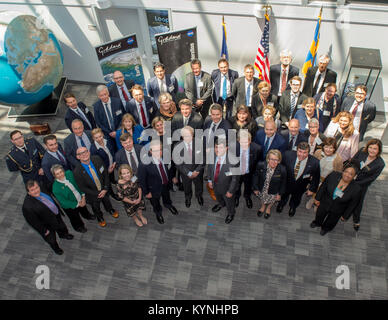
[(262, 59)]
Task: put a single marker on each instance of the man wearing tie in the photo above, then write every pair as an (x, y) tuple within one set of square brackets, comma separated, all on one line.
[(363, 111), (317, 78), (78, 110), (186, 117), (121, 88), (154, 181), (293, 135), (79, 138), (269, 139), (129, 153), (54, 155), (223, 79), (329, 103), (215, 124), (162, 83)]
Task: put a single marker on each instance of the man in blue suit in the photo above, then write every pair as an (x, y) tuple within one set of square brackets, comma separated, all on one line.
[(162, 82), (269, 139), (54, 155), (108, 112), (141, 107), (223, 79), (78, 110)]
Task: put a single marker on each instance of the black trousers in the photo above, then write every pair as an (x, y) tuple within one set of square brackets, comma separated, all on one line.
[(62, 231), (223, 200), (74, 216), (327, 220), (247, 180), (96, 206), (357, 211), (295, 200), (155, 201), (188, 185)]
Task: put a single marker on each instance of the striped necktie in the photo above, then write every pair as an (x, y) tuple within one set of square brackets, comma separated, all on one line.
[(296, 169)]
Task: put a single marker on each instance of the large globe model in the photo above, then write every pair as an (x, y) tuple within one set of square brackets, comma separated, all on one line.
[(31, 62)]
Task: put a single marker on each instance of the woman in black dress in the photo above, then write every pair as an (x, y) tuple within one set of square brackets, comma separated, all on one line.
[(243, 120), (368, 160)]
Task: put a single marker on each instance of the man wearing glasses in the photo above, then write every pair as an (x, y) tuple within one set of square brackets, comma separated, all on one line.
[(121, 88)]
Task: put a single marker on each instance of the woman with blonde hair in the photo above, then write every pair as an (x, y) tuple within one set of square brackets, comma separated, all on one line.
[(167, 107), (308, 112), (129, 125), (263, 98), (268, 113)]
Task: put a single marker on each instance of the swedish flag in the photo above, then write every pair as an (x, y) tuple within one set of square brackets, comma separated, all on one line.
[(311, 55), (224, 49)]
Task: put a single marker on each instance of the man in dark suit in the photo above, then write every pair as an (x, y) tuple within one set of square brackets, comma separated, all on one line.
[(141, 107), (189, 159), (186, 117), (25, 156), (78, 110), (161, 83), (42, 213), (329, 103), (291, 100), (317, 78), (215, 125), (249, 154), (198, 88), (79, 138), (269, 139), (293, 136), (92, 178), (302, 171), (54, 155), (281, 73), (244, 88), (223, 179), (223, 79), (154, 181), (130, 153), (108, 112), (121, 89), (363, 111)]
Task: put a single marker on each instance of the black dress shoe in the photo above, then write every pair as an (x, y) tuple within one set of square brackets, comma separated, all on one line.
[(229, 219), (173, 210), (292, 211), (200, 200), (356, 227), (81, 230), (266, 216), (68, 236), (58, 251), (259, 213), (323, 232), (236, 202), (160, 219), (313, 225), (217, 208), (249, 203), (188, 203), (279, 208), (91, 217)]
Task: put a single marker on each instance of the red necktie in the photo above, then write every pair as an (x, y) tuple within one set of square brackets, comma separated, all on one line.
[(218, 167), (163, 173), (284, 81), (143, 117), (355, 110), (124, 94)]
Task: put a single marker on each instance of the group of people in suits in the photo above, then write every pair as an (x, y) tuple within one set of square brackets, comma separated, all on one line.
[(291, 140)]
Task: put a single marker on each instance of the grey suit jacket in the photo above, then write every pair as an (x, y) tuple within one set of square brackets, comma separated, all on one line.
[(225, 183), (238, 91), (191, 87)]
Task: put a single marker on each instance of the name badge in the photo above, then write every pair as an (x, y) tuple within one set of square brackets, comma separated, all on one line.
[(299, 106), (270, 104), (118, 112), (151, 110), (326, 113), (228, 173), (102, 169), (133, 179), (169, 140), (307, 125), (306, 176), (171, 88), (339, 193), (318, 140), (277, 176), (86, 110), (294, 148), (200, 83)]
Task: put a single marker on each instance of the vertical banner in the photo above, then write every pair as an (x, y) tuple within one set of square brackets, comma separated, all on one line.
[(158, 22), (176, 49), (123, 55)]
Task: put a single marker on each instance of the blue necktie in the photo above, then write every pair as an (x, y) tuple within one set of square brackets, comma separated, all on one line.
[(111, 124), (83, 117), (248, 95), (82, 142), (224, 93), (266, 145)]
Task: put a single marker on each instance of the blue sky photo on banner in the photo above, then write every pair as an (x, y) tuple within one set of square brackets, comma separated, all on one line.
[(176, 49), (122, 54), (158, 22)]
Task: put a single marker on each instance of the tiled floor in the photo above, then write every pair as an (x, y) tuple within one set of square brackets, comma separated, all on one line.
[(194, 255)]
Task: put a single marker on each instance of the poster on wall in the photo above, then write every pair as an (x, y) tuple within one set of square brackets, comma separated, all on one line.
[(123, 55), (176, 49), (158, 22)]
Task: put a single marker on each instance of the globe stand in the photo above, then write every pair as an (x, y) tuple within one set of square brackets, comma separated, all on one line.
[(46, 107)]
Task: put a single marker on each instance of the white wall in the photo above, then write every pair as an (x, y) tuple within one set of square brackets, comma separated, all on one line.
[(292, 26)]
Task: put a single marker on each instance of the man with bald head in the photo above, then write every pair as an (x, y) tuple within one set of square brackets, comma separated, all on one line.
[(121, 89), (269, 139), (293, 135)]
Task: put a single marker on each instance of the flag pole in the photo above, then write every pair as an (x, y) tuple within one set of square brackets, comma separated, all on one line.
[(319, 17)]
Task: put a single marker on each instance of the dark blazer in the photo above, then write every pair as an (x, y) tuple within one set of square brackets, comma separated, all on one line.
[(278, 181), (197, 159), (328, 108), (48, 161), (217, 78), (285, 105), (286, 135), (71, 147), (368, 113), (121, 158), (85, 182), (101, 119), (28, 164), (39, 216), (369, 173), (153, 87), (205, 91), (150, 179), (343, 206), (257, 104), (250, 126), (278, 143), (71, 115), (225, 183), (101, 153), (195, 121), (150, 106), (274, 75), (255, 153), (317, 146), (224, 125), (238, 91), (311, 173), (114, 90), (308, 86)]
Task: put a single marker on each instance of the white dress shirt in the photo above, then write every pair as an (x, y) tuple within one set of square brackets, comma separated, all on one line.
[(121, 93), (105, 148), (128, 154), (145, 112), (162, 85), (357, 118), (323, 75)]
